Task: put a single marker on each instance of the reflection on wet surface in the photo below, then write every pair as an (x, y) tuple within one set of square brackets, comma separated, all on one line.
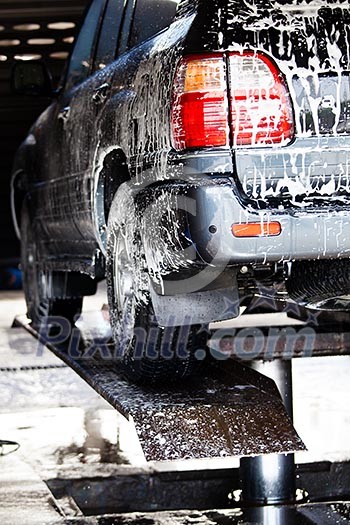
[(98, 446), (59, 439)]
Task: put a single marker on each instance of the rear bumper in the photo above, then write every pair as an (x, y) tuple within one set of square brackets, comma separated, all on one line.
[(304, 234), (212, 205)]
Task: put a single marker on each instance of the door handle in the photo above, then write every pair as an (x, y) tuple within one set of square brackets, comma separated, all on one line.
[(101, 93), (64, 114)]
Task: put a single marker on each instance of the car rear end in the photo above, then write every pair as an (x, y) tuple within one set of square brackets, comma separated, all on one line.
[(260, 124)]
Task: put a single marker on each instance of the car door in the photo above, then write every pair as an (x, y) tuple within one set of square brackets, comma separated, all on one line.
[(85, 125), (65, 160), (81, 117)]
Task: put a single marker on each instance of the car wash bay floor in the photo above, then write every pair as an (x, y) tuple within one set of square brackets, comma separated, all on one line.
[(78, 457)]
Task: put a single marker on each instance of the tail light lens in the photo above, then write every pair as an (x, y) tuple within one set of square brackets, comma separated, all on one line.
[(200, 104), (259, 112)]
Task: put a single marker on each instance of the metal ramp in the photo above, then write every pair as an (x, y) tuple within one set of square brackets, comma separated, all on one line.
[(229, 410)]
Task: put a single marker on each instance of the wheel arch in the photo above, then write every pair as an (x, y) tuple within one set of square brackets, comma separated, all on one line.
[(113, 172)]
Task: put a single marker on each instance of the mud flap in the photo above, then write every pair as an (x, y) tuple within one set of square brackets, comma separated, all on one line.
[(195, 308)]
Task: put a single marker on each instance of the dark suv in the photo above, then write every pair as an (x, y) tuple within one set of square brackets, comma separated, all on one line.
[(195, 153)]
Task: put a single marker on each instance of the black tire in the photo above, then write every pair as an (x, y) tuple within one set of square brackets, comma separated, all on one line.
[(320, 284), (146, 352), (36, 282)]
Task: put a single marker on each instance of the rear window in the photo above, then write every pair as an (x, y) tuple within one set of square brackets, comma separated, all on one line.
[(151, 17)]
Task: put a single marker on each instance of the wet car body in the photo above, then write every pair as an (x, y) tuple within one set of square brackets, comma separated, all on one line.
[(107, 140)]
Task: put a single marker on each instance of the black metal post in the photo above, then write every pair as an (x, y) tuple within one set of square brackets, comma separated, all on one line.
[(270, 479)]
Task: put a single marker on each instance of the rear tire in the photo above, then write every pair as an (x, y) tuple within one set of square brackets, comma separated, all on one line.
[(146, 352), (37, 282), (323, 284)]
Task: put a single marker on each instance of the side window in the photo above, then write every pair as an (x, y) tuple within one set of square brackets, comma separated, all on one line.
[(150, 17), (109, 35), (81, 59)]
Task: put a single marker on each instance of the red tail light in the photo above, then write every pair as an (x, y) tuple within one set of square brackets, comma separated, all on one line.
[(200, 106), (259, 112)]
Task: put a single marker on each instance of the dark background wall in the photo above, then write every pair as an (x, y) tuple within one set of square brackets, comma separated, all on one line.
[(29, 29)]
